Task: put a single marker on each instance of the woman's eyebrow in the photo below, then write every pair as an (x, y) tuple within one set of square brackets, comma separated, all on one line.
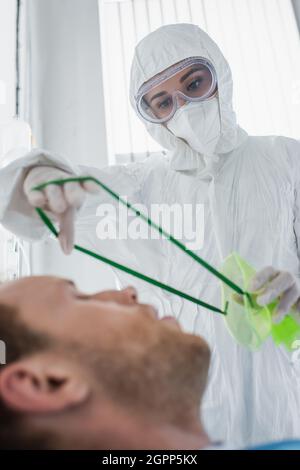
[(194, 69), (157, 95)]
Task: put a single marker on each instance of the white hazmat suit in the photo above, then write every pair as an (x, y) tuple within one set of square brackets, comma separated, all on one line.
[(250, 189)]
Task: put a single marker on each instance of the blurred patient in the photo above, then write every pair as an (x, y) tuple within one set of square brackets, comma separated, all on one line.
[(96, 371)]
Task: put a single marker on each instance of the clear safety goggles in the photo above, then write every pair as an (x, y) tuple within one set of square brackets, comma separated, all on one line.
[(192, 79)]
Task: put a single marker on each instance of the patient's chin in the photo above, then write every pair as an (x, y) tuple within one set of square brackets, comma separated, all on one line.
[(161, 371), (188, 357)]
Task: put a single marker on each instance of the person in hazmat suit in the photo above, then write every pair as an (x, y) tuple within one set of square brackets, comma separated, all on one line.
[(181, 87)]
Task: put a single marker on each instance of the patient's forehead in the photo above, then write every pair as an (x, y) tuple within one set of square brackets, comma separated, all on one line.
[(36, 298), (27, 286), (27, 282)]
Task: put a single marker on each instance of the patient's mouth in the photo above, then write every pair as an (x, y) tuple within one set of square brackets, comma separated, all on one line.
[(171, 320)]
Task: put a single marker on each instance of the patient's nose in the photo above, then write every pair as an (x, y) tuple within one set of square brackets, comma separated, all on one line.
[(130, 294), (127, 296)]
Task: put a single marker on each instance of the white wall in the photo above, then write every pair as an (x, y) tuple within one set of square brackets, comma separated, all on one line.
[(7, 62), (66, 109), (67, 106)]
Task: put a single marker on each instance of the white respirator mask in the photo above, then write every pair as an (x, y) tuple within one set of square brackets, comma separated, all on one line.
[(199, 124)]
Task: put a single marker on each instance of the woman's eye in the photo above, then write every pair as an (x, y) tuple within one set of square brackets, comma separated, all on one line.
[(195, 84), (164, 104)]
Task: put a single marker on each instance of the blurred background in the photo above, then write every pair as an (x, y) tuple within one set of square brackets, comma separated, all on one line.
[(64, 80)]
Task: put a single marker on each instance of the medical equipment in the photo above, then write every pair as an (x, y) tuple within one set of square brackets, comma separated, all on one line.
[(251, 324), (198, 124), (197, 82), (248, 322)]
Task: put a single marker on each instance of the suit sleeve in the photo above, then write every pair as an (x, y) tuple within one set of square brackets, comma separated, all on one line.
[(19, 217)]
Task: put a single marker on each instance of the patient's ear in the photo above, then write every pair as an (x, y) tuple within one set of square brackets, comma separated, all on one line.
[(42, 384)]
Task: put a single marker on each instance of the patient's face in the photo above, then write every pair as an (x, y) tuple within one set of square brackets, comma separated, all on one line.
[(139, 360)]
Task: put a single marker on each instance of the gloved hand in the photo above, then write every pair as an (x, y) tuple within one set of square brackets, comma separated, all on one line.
[(61, 201), (271, 284)]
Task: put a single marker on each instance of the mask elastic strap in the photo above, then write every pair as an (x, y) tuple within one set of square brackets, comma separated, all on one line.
[(181, 246)]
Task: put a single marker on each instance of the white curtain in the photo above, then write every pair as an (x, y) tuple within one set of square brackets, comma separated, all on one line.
[(259, 38)]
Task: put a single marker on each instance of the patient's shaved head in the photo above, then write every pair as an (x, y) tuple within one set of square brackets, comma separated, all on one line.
[(102, 363)]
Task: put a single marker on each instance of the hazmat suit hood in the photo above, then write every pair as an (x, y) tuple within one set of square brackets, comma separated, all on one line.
[(164, 47)]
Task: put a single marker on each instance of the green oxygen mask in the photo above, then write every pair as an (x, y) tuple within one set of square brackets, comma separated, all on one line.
[(249, 323)]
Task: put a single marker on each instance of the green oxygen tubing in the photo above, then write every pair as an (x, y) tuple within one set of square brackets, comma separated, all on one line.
[(249, 323)]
